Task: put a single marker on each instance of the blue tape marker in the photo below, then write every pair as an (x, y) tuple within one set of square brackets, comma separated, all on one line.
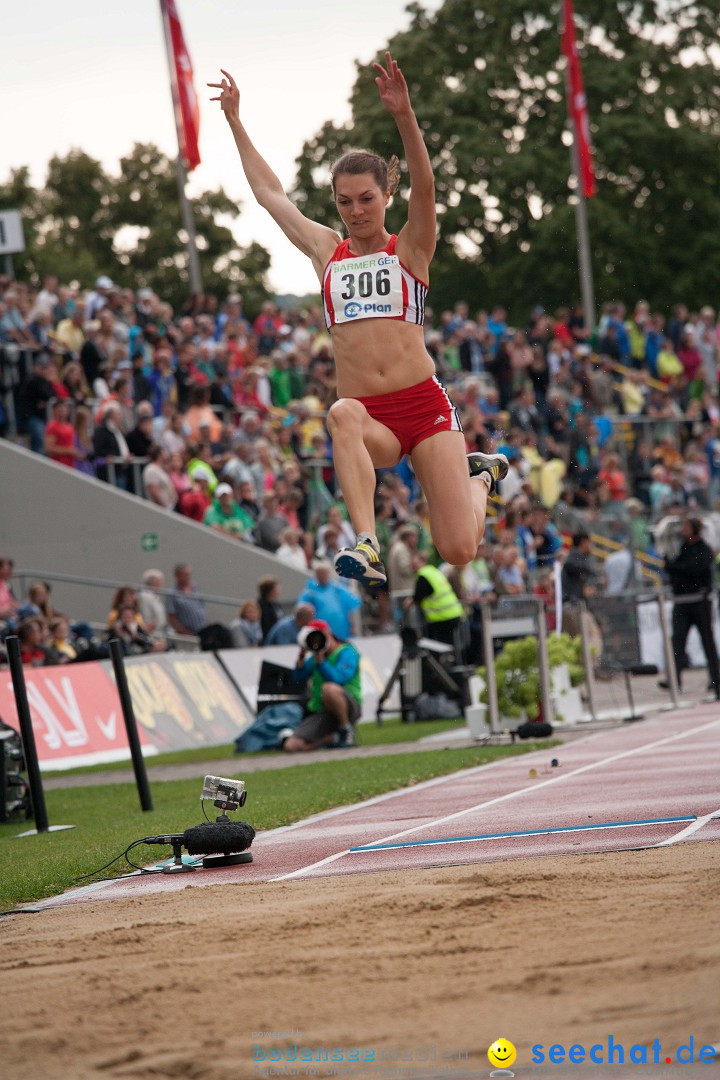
[(526, 832)]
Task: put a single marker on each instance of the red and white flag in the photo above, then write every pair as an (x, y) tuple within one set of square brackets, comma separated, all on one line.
[(187, 111), (577, 103)]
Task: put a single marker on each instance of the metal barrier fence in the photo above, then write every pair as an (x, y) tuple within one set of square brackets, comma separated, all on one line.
[(628, 636)]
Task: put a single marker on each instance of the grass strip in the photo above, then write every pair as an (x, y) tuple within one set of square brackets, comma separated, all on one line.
[(391, 731), (108, 818)]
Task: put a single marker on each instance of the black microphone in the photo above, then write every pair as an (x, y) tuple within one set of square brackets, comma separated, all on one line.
[(223, 837), (210, 837), (230, 839)]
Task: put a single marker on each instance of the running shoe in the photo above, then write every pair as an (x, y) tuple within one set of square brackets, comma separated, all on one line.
[(363, 563), (496, 465), (345, 737)]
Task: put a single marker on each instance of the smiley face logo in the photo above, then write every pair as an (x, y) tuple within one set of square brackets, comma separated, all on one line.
[(502, 1053)]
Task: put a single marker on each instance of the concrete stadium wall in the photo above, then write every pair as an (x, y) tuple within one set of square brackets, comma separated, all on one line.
[(56, 520)]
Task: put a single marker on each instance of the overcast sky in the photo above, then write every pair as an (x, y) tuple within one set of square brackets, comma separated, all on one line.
[(94, 75)]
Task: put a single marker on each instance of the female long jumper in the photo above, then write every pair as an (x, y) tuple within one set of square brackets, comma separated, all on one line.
[(374, 286)]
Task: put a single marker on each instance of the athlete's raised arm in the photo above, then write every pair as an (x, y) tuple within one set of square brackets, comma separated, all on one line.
[(419, 232), (314, 240)]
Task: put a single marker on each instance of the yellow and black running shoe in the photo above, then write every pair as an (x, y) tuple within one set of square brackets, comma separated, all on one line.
[(496, 465), (363, 563)]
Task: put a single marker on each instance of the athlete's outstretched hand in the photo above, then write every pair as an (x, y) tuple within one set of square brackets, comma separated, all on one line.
[(392, 86), (229, 96)]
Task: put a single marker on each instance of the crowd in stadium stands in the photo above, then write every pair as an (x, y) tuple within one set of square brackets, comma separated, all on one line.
[(612, 430)]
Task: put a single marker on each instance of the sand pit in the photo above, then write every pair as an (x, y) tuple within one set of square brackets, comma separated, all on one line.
[(551, 950)]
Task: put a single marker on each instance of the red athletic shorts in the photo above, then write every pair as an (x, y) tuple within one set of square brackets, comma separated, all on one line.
[(414, 413)]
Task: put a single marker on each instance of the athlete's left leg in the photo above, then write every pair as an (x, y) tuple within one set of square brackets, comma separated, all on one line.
[(457, 502)]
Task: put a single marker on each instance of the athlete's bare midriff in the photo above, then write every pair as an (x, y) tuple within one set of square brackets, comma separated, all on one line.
[(379, 356)]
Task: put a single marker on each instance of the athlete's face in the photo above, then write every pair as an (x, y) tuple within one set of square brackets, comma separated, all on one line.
[(361, 203)]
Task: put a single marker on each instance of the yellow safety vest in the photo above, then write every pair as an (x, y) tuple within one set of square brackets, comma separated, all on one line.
[(443, 604)]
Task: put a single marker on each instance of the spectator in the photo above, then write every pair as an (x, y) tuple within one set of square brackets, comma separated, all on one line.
[(578, 580), (333, 602), (125, 596), (511, 485), (269, 602), (185, 610), (441, 609), (173, 437), (578, 574), (13, 328), (689, 356), (142, 388), (547, 542), (35, 394), (129, 629), (335, 701), (109, 443), (620, 567), (402, 559), (98, 299), (60, 436), (343, 529), (286, 630), (246, 629), (291, 552), (248, 500), (200, 416), (508, 578), (637, 525), (38, 601), (195, 502), (225, 516), (613, 479), (270, 524), (140, 439), (330, 546), (152, 608), (75, 383), (31, 634), (691, 572), (157, 482), (59, 639), (8, 600), (69, 334)]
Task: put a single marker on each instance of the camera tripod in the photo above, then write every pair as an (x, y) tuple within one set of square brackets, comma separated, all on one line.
[(418, 656)]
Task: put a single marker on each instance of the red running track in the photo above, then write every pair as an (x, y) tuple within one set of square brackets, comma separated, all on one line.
[(610, 792)]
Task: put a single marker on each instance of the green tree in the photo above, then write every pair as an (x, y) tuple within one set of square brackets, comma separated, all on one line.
[(487, 83), (84, 222)]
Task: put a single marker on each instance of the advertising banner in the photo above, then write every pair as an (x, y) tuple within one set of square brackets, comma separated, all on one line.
[(75, 713), (180, 700)]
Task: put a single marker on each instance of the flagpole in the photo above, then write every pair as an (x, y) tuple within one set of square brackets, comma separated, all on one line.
[(185, 207), (587, 290)]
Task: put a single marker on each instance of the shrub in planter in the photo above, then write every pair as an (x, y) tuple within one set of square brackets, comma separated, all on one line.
[(517, 673)]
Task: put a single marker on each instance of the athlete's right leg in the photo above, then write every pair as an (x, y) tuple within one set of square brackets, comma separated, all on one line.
[(360, 446)]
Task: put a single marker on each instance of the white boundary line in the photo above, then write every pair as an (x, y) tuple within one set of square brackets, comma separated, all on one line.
[(689, 829), (502, 798)]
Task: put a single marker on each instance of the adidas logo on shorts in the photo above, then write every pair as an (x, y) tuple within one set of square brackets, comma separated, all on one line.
[(440, 420)]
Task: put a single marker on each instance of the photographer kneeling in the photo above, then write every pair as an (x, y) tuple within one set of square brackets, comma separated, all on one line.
[(334, 704)]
